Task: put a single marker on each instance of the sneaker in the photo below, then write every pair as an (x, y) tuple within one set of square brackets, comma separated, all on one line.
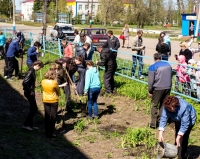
[(128, 47), (35, 128), (27, 128), (5, 76), (141, 77)]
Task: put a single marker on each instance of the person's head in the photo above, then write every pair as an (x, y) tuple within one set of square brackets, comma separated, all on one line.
[(37, 65), (37, 44), (82, 36), (157, 57), (1, 33), (86, 46), (139, 33), (50, 74), (162, 34), (126, 26), (64, 42), (8, 40), (191, 62), (183, 46), (99, 48), (181, 59), (170, 103), (161, 40), (89, 64), (78, 60), (76, 32), (110, 33)]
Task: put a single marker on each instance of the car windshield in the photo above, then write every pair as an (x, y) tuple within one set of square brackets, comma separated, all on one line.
[(98, 31), (66, 28)]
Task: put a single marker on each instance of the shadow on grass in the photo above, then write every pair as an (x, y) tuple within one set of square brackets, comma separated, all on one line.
[(18, 143), (193, 152), (110, 110)]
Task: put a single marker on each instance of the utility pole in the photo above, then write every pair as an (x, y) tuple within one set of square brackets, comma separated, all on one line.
[(44, 17), (14, 27)]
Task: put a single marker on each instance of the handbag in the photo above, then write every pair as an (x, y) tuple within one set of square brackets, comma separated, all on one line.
[(121, 37)]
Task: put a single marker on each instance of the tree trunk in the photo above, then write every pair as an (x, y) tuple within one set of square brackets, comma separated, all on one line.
[(45, 17)]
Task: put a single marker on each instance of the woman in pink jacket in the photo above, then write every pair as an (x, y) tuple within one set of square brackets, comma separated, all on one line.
[(68, 48), (182, 76)]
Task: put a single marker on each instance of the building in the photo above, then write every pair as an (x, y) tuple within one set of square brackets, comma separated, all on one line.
[(27, 9)]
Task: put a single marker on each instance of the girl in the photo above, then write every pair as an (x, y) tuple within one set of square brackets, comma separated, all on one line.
[(125, 31)]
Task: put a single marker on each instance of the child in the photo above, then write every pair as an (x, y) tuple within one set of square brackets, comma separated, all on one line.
[(92, 87), (191, 72), (197, 74)]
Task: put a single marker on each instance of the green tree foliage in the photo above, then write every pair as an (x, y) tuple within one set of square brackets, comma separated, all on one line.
[(38, 5), (6, 7), (62, 6)]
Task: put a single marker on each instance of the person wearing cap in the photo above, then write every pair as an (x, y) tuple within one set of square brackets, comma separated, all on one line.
[(14, 50), (32, 54), (185, 51)]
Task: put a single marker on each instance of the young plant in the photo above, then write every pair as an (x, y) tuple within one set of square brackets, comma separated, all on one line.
[(79, 126)]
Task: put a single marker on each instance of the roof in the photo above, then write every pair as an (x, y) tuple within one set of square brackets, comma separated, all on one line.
[(70, 0), (24, 1)]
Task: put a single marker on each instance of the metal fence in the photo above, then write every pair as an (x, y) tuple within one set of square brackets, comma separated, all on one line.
[(125, 61)]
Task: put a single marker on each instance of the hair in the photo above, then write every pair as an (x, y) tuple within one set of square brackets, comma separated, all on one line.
[(87, 44), (184, 44), (110, 32), (162, 33), (139, 32), (82, 34), (1, 33), (171, 102), (76, 31), (37, 44), (90, 63), (64, 41), (50, 74), (126, 26), (161, 40), (38, 62), (157, 56), (8, 40), (98, 47), (80, 58)]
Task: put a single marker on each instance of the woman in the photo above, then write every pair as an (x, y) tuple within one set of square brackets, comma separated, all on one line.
[(5, 49), (185, 51), (184, 116), (162, 48), (92, 87), (29, 92), (125, 32), (50, 99)]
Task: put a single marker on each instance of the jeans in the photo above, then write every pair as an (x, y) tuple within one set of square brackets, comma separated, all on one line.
[(50, 117), (164, 57), (140, 59), (81, 82), (92, 100), (33, 109)]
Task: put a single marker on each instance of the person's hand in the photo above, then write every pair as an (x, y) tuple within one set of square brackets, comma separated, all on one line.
[(160, 136), (178, 140), (64, 84), (150, 95)]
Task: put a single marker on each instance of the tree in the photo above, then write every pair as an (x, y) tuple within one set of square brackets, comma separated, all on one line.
[(6, 7), (62, 6), (38, 5)]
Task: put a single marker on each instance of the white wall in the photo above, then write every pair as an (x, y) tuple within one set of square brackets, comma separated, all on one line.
[(27, 9)]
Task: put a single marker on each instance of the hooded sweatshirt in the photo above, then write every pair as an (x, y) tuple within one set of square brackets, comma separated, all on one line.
[(181, 70), (92, 79)]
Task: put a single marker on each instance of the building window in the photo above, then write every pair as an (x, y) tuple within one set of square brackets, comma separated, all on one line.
[(86, 7), (80, 7), (93, 7)]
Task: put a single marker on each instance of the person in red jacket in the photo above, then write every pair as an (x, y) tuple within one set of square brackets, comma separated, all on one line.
[(68, 48)]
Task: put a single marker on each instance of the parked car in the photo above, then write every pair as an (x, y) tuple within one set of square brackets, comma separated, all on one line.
[(67, 29), (98, 35)]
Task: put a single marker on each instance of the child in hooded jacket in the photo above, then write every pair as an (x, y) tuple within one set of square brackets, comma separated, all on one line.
[(197, 75)]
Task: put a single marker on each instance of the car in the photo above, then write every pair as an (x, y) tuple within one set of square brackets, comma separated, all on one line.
[(98, 35), (67, 29)]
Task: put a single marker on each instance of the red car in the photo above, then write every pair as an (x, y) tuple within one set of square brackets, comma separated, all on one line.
[(98, 35)]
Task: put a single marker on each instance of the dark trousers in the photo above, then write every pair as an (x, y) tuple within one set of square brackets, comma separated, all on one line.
[(6, 66), (33, 109), (81, 82), (182, 150), (12, 65), (109, 82), (140, 60), (16, 67), (50, 117), (156, 104), (29, 65), (68, 97)]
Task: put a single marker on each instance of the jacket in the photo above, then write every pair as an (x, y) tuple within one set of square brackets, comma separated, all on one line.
[(162, 49), (187, 53), (50, 91), (29, 81), (5, 48), (21, 38), (31, 55), (181, 70), (112, 42), (92, 79), (184, 115), (68, 50), (2, 40), (159, 76), (108, 59), (80, 51), (135, 45), (13, 49)]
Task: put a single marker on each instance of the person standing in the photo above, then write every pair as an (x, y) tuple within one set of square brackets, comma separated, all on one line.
[(32, 54), (67, 48), (185, 51), (162, 49), (21, 38), (92, 88), (77, 38), (5, 49), (138, 48), (112, 43), (50, 98), (184, 116), (82, 50), (125, 32), (109, 61), (29, 92), (166, 41), (2, 42), (159, 86)]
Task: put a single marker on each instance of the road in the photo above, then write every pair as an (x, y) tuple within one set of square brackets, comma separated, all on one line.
[(150, 44)]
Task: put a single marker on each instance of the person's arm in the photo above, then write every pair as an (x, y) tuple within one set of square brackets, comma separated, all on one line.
[(157, 47), (151, 78), (117, 44), (18, 47), (103, 60), (26, 81), (56, 86), (134, 45), (32, 51), (87, 82)]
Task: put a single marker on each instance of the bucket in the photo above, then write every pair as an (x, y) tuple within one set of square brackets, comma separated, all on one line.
[(166, 150)]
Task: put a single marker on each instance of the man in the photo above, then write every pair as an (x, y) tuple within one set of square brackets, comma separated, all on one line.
[(82, 50), (112, 43), (21, 38), (32, 54), (86, 39), (138, 48), (159, 86), (13, 50), (109, 61)]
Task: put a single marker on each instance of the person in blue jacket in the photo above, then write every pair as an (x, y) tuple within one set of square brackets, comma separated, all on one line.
[(32, 54), (184, 116), (2, 42), (92, 87)]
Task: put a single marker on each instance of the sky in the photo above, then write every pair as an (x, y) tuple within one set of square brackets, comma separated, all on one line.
[(18, 4)]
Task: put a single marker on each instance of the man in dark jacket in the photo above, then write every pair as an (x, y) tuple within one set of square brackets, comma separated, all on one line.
[(108, 60), (82, 50), (112, 43), (159, 86), (21, 38)]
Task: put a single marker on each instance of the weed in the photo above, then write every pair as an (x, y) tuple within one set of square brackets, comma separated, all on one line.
[(110, 155), (91, 138), (79, 126)]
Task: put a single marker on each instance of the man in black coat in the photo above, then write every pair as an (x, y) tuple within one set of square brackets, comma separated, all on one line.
[(108, 60), (112, 42)]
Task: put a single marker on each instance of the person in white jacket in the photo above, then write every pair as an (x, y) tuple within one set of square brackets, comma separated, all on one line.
[(77, 38)]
